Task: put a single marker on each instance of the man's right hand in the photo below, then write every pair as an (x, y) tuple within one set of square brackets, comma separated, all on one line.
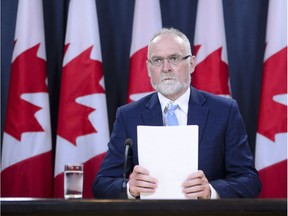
[(141, 182)]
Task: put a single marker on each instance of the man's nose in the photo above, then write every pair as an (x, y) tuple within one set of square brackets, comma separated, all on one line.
[(166, 66)]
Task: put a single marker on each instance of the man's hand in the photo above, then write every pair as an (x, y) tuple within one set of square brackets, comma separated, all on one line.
[(141, 182), (197, 186)]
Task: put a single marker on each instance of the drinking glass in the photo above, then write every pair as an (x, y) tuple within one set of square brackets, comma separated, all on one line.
[(73, 181)]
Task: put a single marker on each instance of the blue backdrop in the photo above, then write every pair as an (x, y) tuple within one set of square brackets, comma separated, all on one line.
[(245, 23)]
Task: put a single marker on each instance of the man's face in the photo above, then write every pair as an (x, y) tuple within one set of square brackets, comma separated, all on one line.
[(170, 80)]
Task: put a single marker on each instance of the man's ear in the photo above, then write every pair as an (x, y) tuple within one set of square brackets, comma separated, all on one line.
[(192, 63), (147, 66)]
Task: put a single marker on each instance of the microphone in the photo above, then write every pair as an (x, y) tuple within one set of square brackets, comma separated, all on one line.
[(128, 144)]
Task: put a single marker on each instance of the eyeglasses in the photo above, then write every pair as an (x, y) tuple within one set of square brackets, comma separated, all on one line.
[(173, 59)]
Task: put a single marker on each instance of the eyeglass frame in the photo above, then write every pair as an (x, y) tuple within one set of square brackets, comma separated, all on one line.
[(170, 62)]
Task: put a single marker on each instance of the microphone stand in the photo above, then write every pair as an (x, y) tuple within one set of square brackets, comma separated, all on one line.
[(128, 144)]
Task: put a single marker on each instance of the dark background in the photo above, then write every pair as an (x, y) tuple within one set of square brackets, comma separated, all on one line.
[(245, 24)]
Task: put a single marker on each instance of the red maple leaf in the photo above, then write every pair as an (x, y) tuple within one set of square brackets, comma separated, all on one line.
[(28, 74), (211, 74), (80, 77), (139, 81), (273, 115)]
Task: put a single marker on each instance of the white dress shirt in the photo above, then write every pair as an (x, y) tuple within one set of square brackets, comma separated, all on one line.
[(182, 111)]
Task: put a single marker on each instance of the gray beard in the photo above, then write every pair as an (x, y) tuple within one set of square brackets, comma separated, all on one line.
[(170, 87)]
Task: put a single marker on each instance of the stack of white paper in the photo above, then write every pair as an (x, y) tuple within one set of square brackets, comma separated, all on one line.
[(170, 154)]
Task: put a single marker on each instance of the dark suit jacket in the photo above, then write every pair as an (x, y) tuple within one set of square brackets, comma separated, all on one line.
[(224, 154)]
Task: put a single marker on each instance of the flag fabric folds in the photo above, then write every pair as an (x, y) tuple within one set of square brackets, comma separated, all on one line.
[(26, 154), (211, 71), (83, 131), (146, 22), (271, 137)]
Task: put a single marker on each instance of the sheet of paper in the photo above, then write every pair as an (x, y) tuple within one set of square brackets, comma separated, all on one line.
[(170, 154)]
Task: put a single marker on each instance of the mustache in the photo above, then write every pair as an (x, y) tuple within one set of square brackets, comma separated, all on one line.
[(167, 76)]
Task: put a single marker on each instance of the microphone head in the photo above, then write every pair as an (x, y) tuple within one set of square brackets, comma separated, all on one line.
[(128, 142)]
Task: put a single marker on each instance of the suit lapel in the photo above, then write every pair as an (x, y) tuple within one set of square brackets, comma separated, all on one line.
[(153, 115), (197, 113)]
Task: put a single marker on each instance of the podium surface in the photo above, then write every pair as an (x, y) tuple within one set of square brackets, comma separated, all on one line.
[(87, 207)]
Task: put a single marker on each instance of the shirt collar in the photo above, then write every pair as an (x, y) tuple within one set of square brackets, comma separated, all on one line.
[(182, 101)]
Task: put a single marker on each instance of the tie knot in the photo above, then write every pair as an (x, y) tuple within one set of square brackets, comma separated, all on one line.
[(172, 107), (171, 118)]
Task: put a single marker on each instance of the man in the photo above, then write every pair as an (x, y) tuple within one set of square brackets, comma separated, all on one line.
[(226, 167)]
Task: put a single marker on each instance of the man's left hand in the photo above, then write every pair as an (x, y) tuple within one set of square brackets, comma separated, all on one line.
[(197, 186)]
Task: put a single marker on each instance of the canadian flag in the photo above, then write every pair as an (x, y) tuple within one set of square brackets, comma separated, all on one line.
[(271, 137), (26, 154), (211, 71), (83, 131), (146, 22)]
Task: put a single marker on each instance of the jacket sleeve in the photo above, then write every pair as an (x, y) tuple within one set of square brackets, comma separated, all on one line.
[(241, 178)]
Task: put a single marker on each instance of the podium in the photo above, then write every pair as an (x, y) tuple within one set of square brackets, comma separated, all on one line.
[(87, 207)]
